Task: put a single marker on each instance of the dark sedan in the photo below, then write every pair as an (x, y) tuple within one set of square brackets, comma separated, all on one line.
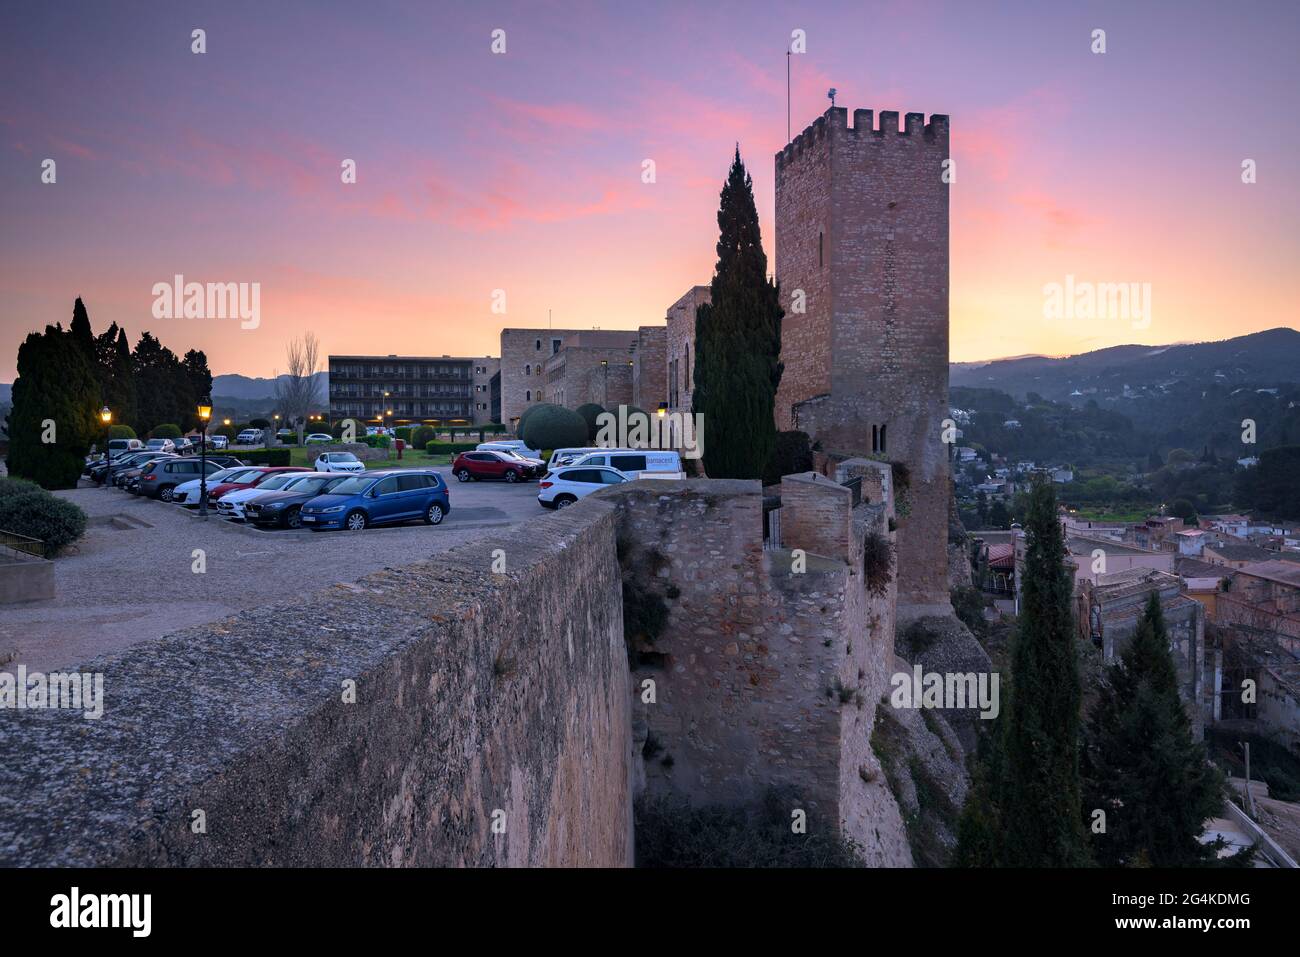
[(283, 509)]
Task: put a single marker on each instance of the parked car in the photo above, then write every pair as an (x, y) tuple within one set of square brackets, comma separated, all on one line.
[(99, 468), (231, 504), (160, 445), (635, 463), (380, 498), (338, 462), (117, 448), (254, 475), (218, 441), (283, 508), (159, 478), (187, 493), (123, 478), (561, 457), (249, 437), (563, 487), (183, 445), (490, 464), (317, 438)]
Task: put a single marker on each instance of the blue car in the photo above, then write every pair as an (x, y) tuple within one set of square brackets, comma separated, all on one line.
[(379, 498)]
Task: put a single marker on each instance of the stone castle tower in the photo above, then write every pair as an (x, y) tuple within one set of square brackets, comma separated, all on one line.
[(862, 258)]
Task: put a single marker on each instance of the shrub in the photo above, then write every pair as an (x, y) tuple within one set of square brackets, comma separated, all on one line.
[(877, 563), (165, 431), (554, 427), (527, 414), (38, 514), (121, 432), (422, 435), (672, 833), (590, 412), (449, 448), (16, 486), (377, 441), (266, 457), (791, 454), (968, 603)]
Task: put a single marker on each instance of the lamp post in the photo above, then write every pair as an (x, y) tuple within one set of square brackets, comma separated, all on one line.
[(205, 413), (604, 373), (106, 416)]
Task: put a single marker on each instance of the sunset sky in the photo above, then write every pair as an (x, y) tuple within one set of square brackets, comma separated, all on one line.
[(522, 171)]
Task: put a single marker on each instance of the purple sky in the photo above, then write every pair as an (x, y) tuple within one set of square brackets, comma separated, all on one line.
[(522, 172)]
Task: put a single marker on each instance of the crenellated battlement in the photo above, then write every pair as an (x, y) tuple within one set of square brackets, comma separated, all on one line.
[(835, 121)]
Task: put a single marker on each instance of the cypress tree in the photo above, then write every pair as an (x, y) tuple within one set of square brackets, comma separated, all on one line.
[(1041, 790), (53, 421), (1141, 764), (738, 342)]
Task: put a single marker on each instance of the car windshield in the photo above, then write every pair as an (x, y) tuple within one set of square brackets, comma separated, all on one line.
[(242, 475), (277, 481), (219, 476), (342, 457), (311, 486), (352, 486)]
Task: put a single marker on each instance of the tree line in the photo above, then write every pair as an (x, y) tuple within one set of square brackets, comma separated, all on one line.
[(65, 376)]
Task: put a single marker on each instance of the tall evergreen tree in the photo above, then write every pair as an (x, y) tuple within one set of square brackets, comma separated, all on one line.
[(55, 398), (1041, 790), (80, 330), (1141, 765), (738, 342), (161, 386)]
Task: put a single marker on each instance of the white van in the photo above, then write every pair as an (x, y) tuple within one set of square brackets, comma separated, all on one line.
[(564, 456), (510, 445), (637, 463)]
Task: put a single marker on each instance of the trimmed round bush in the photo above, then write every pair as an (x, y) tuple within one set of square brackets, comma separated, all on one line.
[(56, 522), (422, 435), (554, 427), (165, 431), (519, 430), (121, 432), (590, 412), (16, 486)]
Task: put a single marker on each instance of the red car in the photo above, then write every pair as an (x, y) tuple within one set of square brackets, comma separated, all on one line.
[(487, 464), (250, 477)]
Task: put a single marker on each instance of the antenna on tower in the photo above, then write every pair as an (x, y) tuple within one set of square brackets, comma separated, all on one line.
[(831, 95), (548, 319), (787, 96)]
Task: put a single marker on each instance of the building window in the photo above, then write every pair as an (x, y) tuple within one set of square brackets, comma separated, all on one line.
[(819, 251), (528, 396), (539, 345), (686, 370), (878, 438), (528, 370), (555, 345)]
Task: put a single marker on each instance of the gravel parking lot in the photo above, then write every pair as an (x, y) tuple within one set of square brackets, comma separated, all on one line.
[(130, 578)]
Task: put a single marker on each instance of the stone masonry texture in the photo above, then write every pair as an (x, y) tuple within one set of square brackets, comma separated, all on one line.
[(862, 239)]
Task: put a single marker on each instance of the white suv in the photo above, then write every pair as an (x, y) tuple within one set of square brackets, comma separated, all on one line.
[(565, 486), (249, 437), (338, 462)]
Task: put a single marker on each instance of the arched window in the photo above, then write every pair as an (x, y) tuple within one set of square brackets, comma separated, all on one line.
[(539, 345), (528, 396), (819, 251), (686, 373), (528, 369), (882, 437), (875, 438)]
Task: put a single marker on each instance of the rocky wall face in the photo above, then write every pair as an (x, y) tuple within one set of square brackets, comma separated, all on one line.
[(478, 699)]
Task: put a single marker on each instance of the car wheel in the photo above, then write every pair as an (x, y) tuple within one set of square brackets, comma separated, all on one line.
[(564, 501), (464, 475), (356, 521), (512, 476), (165, 493), (293, 519), (434, 514)]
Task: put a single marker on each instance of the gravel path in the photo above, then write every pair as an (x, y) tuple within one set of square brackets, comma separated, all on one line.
[(131, 577)]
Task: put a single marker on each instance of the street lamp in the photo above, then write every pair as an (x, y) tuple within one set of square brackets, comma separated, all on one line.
[(106, 416), (205, 413)]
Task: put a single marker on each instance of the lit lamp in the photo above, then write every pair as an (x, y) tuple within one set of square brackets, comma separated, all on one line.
[(663, 409), (106, 416), (205, 413)]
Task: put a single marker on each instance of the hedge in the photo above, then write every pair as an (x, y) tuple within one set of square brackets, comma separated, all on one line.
[(449, 448), (266, 457), (121, 432), (166, 431), (38, 514)]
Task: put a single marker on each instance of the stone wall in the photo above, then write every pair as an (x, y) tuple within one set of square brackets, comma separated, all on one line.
[(475, 693), (650, 374), (680, 350), (769, 667)]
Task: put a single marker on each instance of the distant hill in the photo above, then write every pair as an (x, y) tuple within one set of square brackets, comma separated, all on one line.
[(250, 389), (1259, 359)]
